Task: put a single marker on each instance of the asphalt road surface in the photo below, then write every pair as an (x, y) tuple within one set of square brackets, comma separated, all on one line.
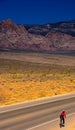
[(26, 116)]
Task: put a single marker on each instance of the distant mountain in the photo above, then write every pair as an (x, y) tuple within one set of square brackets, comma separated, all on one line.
[(63, 27), (48, 37)]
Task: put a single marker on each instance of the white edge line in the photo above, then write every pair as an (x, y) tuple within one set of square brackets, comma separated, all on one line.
[(48, 122)]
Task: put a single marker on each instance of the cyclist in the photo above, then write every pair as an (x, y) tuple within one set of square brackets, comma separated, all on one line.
[(62, 118)]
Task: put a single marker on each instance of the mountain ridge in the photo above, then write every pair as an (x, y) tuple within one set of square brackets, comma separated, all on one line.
[(53, 27), (45, 38)]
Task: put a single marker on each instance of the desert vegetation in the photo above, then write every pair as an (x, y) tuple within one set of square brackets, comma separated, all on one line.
[(40, 76)]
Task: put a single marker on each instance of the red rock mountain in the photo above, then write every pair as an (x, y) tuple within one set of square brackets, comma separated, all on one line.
[(18, 37)]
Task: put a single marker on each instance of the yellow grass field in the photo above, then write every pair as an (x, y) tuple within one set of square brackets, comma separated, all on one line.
[(25, 77)]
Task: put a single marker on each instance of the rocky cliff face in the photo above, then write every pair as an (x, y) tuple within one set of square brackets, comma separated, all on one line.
[(49, 37), (62, 41)]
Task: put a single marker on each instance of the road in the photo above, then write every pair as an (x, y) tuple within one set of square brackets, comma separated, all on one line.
[(54, 124), (26, 116)]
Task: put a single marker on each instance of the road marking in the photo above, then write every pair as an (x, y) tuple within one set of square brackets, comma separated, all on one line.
[(48, 122)]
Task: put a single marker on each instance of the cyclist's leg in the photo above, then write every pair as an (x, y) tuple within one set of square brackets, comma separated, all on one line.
[(61, 120)]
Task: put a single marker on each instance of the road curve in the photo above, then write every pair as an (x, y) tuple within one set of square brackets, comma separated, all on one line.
[(24, 116)]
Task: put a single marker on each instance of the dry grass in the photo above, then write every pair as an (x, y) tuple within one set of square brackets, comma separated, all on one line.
[(22, 80)]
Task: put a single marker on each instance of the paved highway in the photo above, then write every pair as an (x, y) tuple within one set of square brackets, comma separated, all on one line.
[(27, 115)]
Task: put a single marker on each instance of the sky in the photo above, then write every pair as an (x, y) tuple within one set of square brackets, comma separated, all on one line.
[(37, 11)]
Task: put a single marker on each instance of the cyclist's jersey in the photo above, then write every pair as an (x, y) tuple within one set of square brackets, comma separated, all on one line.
[(63, 114)]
